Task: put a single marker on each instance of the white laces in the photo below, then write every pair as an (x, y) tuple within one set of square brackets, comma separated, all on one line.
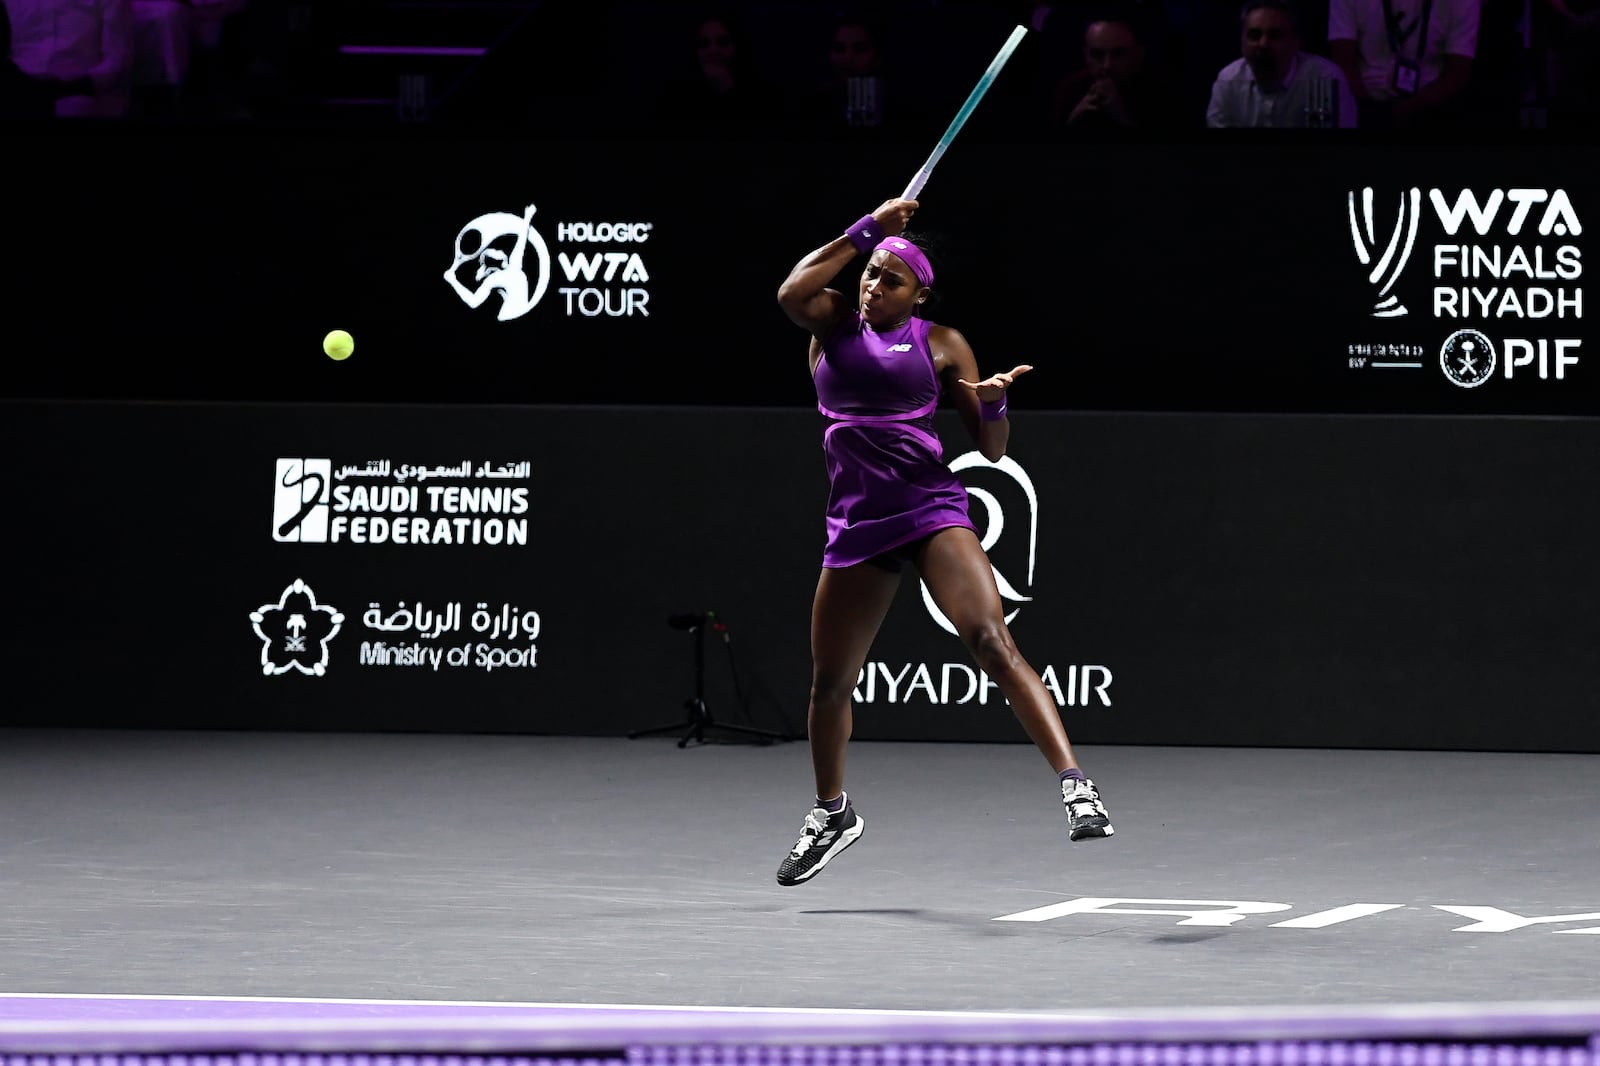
[(813, 829), (1083, 795)]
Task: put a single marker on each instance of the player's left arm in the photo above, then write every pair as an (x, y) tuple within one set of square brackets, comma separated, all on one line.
[(958, 372)]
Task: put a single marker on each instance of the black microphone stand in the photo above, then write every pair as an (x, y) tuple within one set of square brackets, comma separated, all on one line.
[(699, 714)]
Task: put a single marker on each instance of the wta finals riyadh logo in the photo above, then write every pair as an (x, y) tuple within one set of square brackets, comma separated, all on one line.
[(491, 250), (1387, 266), (993, 524)]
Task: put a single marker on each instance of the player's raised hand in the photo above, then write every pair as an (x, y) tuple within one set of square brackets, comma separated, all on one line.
[(895, 215), (992, 388)]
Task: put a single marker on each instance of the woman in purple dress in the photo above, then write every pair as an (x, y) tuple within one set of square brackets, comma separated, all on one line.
[(880, 370)]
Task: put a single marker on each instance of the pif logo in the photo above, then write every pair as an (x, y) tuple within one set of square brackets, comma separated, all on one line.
[(1467, 358)]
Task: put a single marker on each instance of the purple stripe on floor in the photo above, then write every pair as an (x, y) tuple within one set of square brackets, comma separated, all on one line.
[(53, 1030)]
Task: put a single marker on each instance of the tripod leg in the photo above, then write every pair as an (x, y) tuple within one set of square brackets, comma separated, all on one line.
[(698, 719), (704, 720), (670, 727), (697, 715), (752, 731)]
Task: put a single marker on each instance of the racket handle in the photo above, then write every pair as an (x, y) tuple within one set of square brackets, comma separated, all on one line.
[(916, 185)]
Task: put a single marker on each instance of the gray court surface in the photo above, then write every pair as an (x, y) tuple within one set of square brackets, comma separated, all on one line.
[(614, 871)]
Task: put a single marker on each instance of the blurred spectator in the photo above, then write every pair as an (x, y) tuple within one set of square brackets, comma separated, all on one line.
[(1118, 87), (265, 64), (1312, 18), (1275, 84), (162, 32), (855, 95), (1164, 43), (1202, 38), (1036, 14), (22, 95), (1571, 66), (221, 56), (1054, 48), (86, 48), (178, 54), (1500, 66), (1409, 62), (210, 18), (720, 89)]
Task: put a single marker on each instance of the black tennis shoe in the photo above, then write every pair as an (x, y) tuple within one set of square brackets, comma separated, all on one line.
[(1085, 813), (823, 836)]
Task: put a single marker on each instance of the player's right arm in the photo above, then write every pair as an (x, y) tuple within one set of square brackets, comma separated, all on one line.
[(804, 294)]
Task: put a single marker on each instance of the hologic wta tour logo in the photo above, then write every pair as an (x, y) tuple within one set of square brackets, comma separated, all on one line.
[(502, 260), (491, 260), (295, 631), (1505, 268)]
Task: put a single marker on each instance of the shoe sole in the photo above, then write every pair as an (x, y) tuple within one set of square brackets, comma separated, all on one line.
[(1093, 834), (848, 837)]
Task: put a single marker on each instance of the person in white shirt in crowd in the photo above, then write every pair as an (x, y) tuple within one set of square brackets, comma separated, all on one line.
[(1408, 61), (1274, 84), (87, 45)]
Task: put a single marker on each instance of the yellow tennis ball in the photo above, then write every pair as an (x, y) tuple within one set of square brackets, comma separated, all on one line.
[(338, 344)]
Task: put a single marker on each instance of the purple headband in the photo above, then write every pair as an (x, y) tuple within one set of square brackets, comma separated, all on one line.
[(912, 255)]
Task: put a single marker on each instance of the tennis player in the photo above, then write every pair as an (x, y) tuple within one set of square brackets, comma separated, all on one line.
[(880, 369)]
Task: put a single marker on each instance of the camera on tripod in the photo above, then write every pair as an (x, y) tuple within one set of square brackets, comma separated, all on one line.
[(699, 715)]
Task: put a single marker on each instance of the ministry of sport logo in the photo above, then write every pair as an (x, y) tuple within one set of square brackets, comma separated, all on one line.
[(502, 261), (1504, 269), (295, 631)]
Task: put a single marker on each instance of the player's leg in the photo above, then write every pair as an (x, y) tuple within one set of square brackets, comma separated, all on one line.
[(849, 609), (958, 575), (846, 613)]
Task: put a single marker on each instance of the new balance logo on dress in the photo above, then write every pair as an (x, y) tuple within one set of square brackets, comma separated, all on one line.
[(899, 347)]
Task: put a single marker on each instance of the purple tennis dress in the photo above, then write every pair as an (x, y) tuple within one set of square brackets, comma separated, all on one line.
[(889, 482)]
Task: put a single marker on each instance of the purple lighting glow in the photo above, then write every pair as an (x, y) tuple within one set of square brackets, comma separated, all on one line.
[(409, 50)]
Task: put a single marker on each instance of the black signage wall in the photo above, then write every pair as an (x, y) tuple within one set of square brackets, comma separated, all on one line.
[(1330, 273), (1363, 581)]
